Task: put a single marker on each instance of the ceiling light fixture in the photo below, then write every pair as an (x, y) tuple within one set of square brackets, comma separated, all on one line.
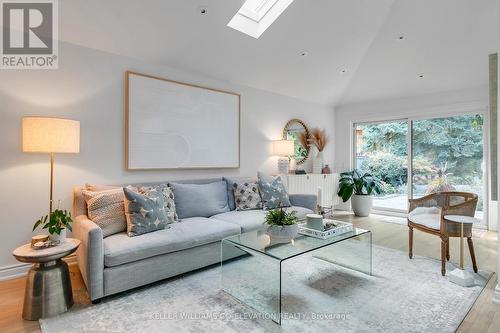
[(203, 10), (255, 16), (420, 76), (343, 71), (304, 54), (401, 37)]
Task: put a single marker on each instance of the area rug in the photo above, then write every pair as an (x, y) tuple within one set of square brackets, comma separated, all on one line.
[(402, 295)]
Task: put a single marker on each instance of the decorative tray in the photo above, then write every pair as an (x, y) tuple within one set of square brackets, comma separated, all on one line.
[(332, 228)]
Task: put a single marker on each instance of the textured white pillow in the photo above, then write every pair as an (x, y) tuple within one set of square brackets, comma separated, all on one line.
[(106, 209)]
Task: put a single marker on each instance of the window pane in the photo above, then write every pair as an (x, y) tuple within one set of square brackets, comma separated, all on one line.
[(381, 149)]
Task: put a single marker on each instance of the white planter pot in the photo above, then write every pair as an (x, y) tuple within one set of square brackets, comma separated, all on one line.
[(61, 237), (361, 204), (283, 233)]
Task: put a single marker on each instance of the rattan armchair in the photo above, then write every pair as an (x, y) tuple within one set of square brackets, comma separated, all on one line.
[(433, 221)]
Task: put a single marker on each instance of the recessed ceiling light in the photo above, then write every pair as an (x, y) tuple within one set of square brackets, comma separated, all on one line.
[(420, 76), (401, 37), (255, 16), (343, 71), (203, 10), (303, 54)]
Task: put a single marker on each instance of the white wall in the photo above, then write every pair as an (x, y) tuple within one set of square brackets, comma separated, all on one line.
[(442, 104), (88, 86)]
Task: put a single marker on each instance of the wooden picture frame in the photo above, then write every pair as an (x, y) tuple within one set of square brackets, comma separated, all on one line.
[(172, 125)]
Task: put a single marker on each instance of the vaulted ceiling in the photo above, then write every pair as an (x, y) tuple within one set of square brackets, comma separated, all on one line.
[(446, 40)]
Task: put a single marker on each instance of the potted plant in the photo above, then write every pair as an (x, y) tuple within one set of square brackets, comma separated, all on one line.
[(56, 222), (360, 188), (281, 225)]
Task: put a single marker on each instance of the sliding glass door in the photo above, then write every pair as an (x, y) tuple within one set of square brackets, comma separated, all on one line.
[(415, 157), (448, 156), (382, 150)]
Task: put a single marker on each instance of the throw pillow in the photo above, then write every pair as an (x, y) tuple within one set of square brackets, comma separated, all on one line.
[(246, 196), (200, 200), (168, 199), (144, 212), (230, 183), (105, 208), (273, 192)]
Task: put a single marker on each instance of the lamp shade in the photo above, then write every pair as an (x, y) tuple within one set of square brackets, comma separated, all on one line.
[(283, 147), (50, 135)]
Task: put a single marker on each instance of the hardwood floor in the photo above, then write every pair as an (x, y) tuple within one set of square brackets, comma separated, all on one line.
[(484, 316)]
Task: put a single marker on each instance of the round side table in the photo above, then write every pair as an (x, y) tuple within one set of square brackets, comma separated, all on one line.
[(459, 275), (48, 285)]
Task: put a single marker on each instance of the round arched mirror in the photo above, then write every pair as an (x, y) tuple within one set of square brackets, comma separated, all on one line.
[(297, 131)]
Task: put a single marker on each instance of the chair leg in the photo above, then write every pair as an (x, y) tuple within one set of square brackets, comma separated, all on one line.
[(472, 254), (448, 251), (410, 242), (444, 241)]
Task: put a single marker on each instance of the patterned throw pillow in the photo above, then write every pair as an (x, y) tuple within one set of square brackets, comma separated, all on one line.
[(246, 196), (105, 208), (168, 200), (144, 212), (273, 192)]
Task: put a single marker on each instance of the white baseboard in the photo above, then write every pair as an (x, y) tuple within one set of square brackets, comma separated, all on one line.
[(496, 295), (20, 270)]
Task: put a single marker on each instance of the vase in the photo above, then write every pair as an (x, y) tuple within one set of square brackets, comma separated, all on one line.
[(326, 170), (361, 204), (61, 238), (317, 163)]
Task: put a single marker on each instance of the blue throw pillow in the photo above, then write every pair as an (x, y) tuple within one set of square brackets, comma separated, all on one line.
[(200, 200), (273, 192)]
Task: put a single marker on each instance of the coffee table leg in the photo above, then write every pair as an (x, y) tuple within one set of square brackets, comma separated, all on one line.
[(48, 290)]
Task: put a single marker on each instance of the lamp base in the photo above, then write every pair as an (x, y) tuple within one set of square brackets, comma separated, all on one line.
[(283, 165), (461, 277)]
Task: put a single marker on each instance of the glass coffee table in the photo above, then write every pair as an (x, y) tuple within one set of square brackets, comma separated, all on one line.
[(253, 264)]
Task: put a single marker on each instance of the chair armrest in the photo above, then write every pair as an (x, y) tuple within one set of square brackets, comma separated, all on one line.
[(467, 208), (414, 203), (304, 200), (90, 255)]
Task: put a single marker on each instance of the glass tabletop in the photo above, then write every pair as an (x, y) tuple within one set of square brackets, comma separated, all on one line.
[(259, 241)]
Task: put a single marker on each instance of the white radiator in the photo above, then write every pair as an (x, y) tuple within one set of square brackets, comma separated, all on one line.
[(309, 184)]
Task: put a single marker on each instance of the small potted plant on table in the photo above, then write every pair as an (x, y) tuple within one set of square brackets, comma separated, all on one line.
[(281, 225), (360, 187), (56, 222)]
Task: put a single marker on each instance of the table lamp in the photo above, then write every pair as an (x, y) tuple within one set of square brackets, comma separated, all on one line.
[(50, 135), (284, 149)]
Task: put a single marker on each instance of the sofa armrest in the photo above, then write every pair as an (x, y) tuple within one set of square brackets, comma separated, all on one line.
[(90, 255), (304, 200)]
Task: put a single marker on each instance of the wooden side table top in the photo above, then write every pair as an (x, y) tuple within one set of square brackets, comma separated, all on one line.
[(25, 253), (462, 219)]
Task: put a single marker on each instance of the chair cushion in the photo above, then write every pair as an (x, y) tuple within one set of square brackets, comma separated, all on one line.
[(195, 200), (429, 217), (250, 220), (120, 249)]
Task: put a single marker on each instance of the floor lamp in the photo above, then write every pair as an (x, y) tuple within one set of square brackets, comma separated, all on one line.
[(50, 135)]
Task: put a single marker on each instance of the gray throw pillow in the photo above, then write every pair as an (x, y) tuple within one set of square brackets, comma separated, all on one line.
[(273, 192), (246, 196), (200, 200), (144, 212), (168, 199), (230, 188)]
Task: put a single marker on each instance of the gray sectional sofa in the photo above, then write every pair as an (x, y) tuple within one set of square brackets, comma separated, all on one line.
[(118, 262)]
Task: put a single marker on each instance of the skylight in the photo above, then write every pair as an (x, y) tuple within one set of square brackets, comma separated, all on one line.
[(255, 16)]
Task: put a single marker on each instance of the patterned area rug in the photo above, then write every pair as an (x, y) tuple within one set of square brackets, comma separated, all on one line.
[(402, 295)]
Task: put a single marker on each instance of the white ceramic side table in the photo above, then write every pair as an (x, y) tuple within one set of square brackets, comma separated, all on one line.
[(48, 285), (459, 275)]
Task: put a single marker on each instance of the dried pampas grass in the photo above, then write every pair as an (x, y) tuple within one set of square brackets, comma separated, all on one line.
[(318, 138)]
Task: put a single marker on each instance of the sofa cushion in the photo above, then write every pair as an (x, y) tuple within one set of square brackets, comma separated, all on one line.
[(200, 200), (429, 217), (250, 220), (230, 184), (106, 209), (145, 212), (120, 249)]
